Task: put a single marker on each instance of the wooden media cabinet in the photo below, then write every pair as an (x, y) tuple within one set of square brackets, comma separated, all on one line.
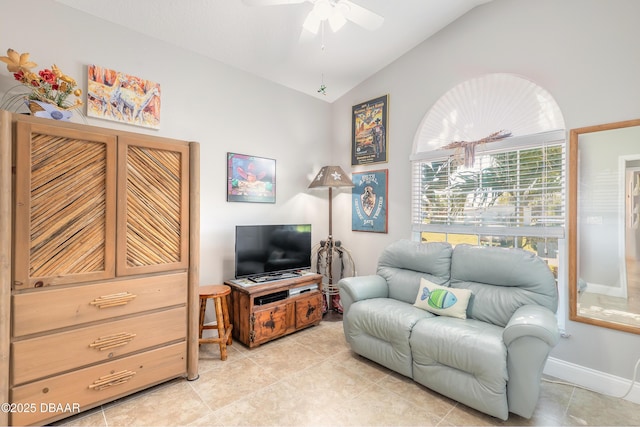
[(261, 312)]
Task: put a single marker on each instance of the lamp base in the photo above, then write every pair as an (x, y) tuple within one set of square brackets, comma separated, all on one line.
[(333, 262)]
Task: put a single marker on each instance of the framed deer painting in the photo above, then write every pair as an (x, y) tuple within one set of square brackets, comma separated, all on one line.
[(114, 95)]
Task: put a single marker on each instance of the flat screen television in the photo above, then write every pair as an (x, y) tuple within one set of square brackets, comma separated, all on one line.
[(272, 250)]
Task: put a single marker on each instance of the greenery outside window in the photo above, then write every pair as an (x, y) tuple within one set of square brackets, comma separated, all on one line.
[(511, 195)]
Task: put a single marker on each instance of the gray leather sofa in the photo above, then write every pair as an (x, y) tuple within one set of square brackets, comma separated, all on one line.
[(492, 360)]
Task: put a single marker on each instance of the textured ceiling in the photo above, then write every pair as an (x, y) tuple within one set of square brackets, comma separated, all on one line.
[(268, 41)]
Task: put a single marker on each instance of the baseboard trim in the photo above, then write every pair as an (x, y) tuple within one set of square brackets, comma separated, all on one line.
[(597, 381)]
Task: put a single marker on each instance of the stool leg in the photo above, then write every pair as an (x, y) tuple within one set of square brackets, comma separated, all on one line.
[(221, 331), (203, 307), (227, 322)]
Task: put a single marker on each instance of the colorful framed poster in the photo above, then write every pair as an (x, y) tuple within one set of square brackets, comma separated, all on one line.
[(250, 179), (369, 201), (113, 95), (369, 131)]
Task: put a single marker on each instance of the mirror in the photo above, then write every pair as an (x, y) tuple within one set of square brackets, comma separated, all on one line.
[(604, 225)]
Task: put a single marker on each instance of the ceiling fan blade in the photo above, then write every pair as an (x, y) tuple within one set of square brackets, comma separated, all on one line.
[(312, 23), (271, 2), (363, 17)]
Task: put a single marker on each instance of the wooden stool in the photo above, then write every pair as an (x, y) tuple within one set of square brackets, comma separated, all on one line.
[(219, 294)]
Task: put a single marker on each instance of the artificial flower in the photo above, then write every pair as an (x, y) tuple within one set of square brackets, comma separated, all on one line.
[(17, 62), (48, 85)]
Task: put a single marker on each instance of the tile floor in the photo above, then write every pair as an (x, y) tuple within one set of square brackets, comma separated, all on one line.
[(311, 378)]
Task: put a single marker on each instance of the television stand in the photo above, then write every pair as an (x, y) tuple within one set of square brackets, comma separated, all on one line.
[(261, 312)]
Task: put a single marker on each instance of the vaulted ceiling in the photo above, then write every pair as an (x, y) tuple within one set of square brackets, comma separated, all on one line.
[(269, 41)]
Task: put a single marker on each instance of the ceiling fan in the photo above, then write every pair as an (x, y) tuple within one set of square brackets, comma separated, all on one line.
[(336, 12)]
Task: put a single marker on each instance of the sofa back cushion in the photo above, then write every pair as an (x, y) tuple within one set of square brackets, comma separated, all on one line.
[(502, 280), (403, 263)]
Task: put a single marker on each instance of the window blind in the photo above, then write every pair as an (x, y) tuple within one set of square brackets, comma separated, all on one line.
[(512, 187)]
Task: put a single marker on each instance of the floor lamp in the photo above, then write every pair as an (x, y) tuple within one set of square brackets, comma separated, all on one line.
[(330, 177)]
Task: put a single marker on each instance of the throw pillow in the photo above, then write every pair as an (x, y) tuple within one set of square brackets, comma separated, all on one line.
[(442, 300)]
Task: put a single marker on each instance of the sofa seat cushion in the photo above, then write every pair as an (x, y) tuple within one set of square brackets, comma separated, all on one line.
[(465, 360), (379, 329)]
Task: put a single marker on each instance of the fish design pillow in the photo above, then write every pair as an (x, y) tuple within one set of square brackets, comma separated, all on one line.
[(442, 300)]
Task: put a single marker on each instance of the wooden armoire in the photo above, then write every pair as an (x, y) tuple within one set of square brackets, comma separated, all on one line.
[(99, 248)]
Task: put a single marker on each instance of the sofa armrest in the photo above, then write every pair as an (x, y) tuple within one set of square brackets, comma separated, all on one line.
[(534, 321), (358, 288), (529, 336)]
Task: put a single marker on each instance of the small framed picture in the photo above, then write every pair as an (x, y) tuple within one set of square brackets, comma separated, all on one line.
[(369, 132), (369, 201), (250, 179)]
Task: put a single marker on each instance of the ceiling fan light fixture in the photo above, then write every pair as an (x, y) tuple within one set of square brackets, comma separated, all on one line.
[(336, 20), (342, 7), (323, 9)]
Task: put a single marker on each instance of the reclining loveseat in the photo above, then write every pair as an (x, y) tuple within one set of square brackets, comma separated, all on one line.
[(473, 323)]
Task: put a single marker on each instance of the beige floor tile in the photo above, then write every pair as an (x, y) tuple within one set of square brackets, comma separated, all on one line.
[(210, 419), (279, 404), (378, 406), (360, 365), (92, 417), (461, 415), (418, 395), (588, 408), (229, 381), (176, 403), (285, 357), (326, 339), (328, 382)]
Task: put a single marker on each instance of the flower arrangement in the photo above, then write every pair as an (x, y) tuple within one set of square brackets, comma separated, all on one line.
[(48, 86)]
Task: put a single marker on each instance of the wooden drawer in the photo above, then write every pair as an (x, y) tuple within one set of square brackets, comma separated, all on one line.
[(308, 310), (56, 353), (49, 309), (97, 384), (269, 323)]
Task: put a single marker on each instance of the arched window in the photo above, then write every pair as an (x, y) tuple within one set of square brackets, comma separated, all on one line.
[(488, 167)]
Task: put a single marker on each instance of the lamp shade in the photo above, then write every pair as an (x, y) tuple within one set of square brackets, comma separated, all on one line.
[(332, 177)]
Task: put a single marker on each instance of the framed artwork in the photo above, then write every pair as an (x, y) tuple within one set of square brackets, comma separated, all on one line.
[(114, 95), (369, 201), (250, 179), (369, 131)]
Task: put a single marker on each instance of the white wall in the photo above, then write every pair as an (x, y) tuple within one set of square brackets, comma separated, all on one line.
[(224, 109), (584, 52)]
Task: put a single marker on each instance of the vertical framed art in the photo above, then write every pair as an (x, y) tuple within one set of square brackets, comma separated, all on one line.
[(250, 179), (369, 131), (369, 201)]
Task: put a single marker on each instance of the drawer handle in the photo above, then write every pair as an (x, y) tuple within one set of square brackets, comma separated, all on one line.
[(111, 380), (113, 300), (112, 341)]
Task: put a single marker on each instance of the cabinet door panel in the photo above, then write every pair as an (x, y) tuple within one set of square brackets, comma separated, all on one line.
[(153, 209), (65, 206), (270, 323), (309, 310)]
